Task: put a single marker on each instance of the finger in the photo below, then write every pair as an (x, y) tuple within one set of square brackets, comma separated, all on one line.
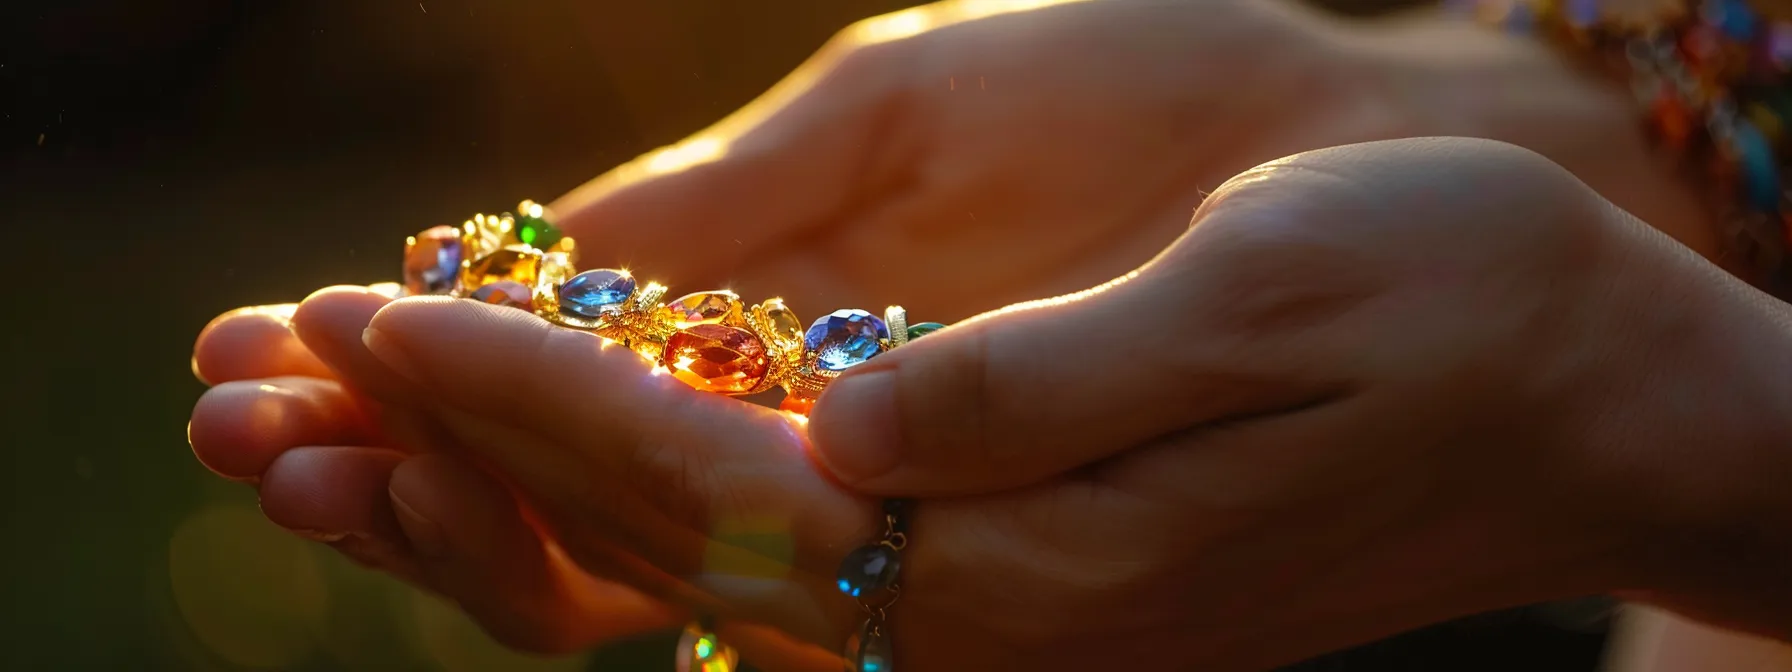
[(253, 342), (330, 322), (716, 492), (239, 428), (337, 495), (793, 159), (1030, 391), (473, 544)]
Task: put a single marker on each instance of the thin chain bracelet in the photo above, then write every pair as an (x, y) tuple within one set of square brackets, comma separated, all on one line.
[(710, 340)]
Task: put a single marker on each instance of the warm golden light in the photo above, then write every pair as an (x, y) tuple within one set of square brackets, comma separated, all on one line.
[(691, 152)]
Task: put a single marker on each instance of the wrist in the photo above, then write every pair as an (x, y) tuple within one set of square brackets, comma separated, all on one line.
[(1434, 75), (1718, 543)]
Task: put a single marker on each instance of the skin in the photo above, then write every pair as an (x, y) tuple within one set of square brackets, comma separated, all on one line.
[(560, 524)]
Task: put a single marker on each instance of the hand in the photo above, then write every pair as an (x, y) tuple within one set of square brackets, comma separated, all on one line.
[(1283, 436)]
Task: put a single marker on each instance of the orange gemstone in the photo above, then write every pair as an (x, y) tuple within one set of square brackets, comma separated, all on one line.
[(515, 264), (718, 307), (432, 261), (716, 358), (798, 404)]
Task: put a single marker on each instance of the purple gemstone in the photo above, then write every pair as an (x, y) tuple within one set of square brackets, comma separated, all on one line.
[(432, 261)]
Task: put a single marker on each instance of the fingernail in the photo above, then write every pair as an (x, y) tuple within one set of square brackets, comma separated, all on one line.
[(426, 536), (388, 352), (854, 426)]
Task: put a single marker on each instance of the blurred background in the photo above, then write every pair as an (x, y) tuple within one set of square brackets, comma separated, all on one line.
[(166, 160)]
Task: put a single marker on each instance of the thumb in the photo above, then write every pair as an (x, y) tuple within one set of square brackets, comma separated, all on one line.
[(1016, 396)]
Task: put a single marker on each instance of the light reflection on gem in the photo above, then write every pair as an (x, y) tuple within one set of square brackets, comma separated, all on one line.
[(845, 338)]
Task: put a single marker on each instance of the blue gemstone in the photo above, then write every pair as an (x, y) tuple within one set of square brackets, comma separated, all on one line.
[(595, 293), (845, 338), (869, 569), (1760, 176), (870, 650)]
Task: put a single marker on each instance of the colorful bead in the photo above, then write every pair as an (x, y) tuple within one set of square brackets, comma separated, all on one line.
[(507, 293), (870, 649), (717, 307), (716, 358), (699, 650), (596, 293), (869, 569), (845, 338), (1760, 173), (432, 261)]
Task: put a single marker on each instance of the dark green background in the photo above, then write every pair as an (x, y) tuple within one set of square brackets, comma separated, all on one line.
[(167, 160)]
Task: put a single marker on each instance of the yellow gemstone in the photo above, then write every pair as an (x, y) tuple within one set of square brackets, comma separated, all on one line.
[(780, 323), (517, 264), (717, 307), (556, 269)]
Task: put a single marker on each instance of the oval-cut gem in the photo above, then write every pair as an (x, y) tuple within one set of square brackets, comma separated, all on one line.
[(781, 323), (432, 261), (718, 307), (515, 264), (845, 338), (507, 293), (595, 293), (536, 232), (868, 570), (716, 358), (918, 330), (869, 650)]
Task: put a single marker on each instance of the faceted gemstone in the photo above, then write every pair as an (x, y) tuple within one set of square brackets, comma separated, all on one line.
[(556, 269), (782, 323), (594, 293), (918, 330), (536, 232), (507, 293), (718, 307), (700, 651), (868, 570), (869, 650), (845, 338), (798, 404), (716, 358), (515, 264), (432, 261)]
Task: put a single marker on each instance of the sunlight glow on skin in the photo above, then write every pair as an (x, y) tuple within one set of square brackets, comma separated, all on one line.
[(719, 140)]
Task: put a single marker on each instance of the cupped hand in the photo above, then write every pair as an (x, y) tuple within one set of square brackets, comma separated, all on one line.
[(1371, 388), (963, 155)]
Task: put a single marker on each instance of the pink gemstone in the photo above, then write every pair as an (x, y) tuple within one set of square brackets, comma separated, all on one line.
[(507, 293)]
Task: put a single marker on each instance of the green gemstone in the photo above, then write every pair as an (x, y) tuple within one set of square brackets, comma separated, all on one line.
[(918, 330), (537, 232)]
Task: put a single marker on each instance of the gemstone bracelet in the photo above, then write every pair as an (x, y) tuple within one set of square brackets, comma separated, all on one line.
[(710, 340), (1713, 79)]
